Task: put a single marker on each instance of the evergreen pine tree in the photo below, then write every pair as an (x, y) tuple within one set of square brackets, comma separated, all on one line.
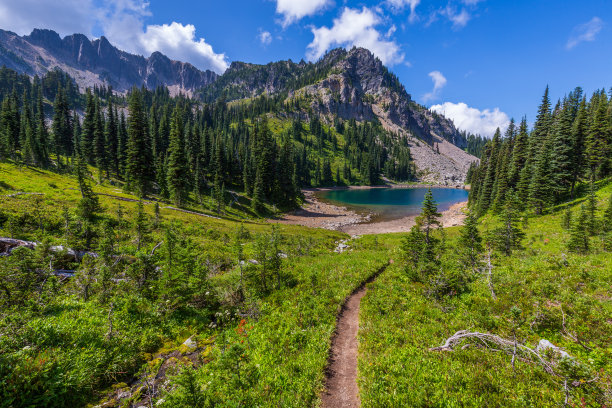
[(99, 144), (540, 185), (562, 157), (470, 243), (508, 237), (597, 150), (579, 130), (258, 193), (566, 222), (41, 150), (177, 171), (519, 155), (591, 208), (88, 128), (89, 206), (138, 155), (579, 237), (111, 140), (486, 190)]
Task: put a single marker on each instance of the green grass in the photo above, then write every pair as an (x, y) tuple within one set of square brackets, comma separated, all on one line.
[(271, 348), (399, 325), (284, 347)]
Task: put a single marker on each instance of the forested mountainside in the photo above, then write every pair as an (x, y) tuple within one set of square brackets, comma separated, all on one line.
[(341, 86), (569, 145), (97, 62), (177, 148), (353, 84), (354, 126)]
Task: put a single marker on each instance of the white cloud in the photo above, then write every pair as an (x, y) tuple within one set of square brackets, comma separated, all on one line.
[(472, 120), (265, 37), (584, 32), (460, 19), (400, 4), (439, 82), (121, 21), (355, 28), (65, 17), (294, 10)]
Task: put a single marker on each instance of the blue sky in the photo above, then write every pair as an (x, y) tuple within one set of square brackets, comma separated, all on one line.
[(479, 61)]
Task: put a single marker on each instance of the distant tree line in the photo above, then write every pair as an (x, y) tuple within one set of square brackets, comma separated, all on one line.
[(569, 144)]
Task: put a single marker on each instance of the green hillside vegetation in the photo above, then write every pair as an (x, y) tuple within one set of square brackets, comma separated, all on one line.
[(144, 267), (261, 339), (541, 291), (182, 150)]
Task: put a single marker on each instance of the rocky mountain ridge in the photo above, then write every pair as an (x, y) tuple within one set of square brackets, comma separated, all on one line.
[(356, 85), (97, 62)]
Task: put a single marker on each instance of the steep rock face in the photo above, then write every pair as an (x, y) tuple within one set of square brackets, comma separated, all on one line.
[(97, 62)]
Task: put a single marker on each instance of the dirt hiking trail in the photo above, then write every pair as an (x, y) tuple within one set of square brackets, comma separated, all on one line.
[(341, 390)]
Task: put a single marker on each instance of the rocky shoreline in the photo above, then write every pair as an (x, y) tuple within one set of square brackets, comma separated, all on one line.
[(318, 214)]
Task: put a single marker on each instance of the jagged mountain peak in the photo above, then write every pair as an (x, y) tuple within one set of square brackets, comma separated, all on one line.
[(97, 62)]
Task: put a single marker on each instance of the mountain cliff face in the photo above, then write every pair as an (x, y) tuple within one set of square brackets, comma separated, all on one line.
[(355, 85), (97, 62)]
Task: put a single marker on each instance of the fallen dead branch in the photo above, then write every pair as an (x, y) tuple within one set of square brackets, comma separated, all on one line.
[(7, 245), (496, 343), (22, 193)]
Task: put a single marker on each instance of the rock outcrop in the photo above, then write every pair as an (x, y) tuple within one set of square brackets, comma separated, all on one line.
[(97, 62)]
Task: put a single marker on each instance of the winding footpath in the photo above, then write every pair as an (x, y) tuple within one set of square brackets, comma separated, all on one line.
[(341, 390)]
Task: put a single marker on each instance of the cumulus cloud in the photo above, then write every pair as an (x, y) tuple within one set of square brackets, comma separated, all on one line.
[(121, 21), (294, 10), (355, 28), (439, 82), (265, 37), (472, 120), (584, 32), (400, 4)]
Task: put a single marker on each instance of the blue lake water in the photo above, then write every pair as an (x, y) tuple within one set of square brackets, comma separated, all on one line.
[(392, 203)]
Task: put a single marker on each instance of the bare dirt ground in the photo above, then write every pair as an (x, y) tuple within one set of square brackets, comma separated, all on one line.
[(341, 389), (318, 214)]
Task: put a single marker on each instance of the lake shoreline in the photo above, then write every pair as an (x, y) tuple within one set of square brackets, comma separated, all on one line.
[(316, 213)]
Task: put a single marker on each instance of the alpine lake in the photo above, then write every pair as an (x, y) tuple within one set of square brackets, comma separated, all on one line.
[(390, 203)]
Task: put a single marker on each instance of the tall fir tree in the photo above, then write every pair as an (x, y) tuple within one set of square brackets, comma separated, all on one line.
[(177, 171), (138, 155)]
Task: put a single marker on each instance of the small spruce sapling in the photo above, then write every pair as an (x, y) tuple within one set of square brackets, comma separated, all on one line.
[(579, 236)]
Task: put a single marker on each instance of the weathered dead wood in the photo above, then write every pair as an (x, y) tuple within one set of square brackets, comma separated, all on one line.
[(156, 247), (22, 193), (496, 343), (565, 333), (8, 245), (490, 274)]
